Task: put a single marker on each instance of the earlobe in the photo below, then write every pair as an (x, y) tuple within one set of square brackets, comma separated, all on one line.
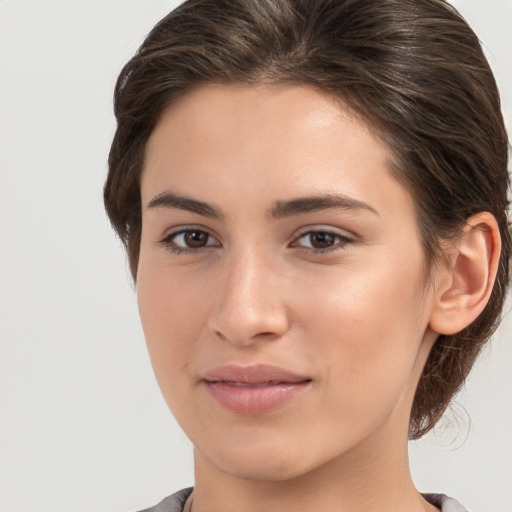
[(463, 285)]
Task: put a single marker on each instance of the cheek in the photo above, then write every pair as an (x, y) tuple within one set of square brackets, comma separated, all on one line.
[(368, 322), (173, 313)]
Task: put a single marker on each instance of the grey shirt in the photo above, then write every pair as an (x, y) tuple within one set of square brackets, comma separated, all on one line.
[(176, 502)]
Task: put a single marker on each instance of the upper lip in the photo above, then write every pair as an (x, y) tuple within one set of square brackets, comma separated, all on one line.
[(254, 374)]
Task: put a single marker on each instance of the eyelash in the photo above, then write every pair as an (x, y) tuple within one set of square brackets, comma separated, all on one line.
[(340, 241), (169, 243)]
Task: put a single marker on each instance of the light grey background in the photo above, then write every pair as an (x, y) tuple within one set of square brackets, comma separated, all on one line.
[(83, 425)]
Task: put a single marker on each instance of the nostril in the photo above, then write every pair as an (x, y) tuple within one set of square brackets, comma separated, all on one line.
[(220, 336), (246, 338)]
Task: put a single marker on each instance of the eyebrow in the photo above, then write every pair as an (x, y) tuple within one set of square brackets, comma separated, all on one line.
[(279, 210), (316, 203), (171, 200)]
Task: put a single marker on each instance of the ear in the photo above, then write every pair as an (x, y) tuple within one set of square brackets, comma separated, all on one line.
[(464, 283)]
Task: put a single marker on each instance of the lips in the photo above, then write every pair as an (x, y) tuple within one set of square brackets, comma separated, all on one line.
[(255, 389)]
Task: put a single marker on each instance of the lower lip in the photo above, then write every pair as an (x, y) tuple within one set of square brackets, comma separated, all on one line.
[(255, 399)]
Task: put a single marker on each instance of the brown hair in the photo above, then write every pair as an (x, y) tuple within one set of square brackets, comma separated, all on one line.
[(413, 70)]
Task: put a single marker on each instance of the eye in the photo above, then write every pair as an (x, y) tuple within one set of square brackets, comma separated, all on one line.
[(189, 240), (321, 240)]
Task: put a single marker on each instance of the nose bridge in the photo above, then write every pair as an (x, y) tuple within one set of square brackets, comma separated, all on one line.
[(249, 304)]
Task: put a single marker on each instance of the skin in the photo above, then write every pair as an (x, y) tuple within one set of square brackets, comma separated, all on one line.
[(354, 318)]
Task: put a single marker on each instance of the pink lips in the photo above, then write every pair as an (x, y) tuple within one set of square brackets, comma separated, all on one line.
[(253, 389)]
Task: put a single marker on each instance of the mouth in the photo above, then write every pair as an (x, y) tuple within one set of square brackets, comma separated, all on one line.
[(254, 390)]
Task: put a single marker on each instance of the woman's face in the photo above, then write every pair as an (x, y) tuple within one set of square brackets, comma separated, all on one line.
[(281, 283)]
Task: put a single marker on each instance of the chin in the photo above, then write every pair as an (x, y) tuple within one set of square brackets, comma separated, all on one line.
[(273, 468), (272, 459)]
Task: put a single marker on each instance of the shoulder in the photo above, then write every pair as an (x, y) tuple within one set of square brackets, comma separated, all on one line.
[(444, 503), (173, 503)]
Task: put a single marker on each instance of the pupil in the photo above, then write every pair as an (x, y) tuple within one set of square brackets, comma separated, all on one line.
[(321, 240), (196, 238)]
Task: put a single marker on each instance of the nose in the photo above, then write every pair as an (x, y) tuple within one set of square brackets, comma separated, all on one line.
[(250, 305)]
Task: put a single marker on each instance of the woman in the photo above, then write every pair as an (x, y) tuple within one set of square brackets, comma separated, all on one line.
[(313, 196)]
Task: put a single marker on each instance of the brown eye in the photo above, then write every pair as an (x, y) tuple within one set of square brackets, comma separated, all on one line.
[(321, 239), (194, 239), (188, 240)]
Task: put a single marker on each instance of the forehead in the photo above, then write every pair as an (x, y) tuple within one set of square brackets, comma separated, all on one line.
[(292, 129), (218, 102)]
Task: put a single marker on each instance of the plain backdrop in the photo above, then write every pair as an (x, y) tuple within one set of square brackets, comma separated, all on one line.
[(83, 425)]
